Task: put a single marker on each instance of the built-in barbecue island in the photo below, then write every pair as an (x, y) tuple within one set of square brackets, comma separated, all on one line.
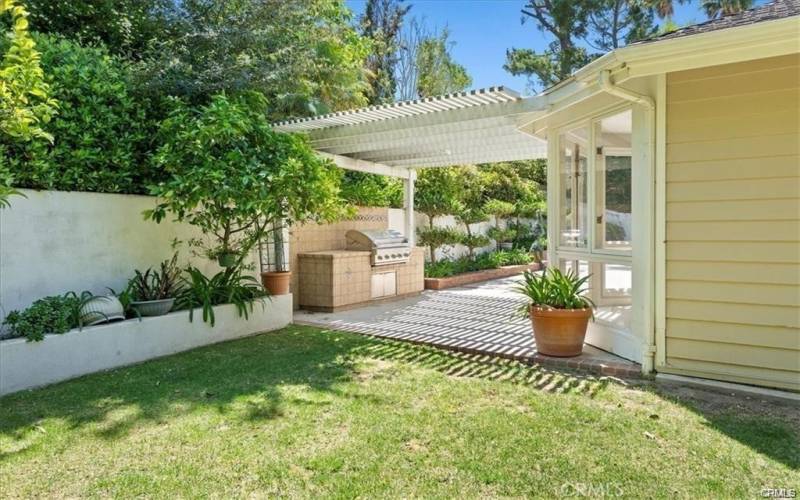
[(376, 265)]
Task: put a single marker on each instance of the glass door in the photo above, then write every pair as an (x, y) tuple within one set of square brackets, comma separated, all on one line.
[(594, 223)]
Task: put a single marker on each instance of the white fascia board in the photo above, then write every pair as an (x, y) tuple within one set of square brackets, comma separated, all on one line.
[(489, 155), (756, 41), (348, 163)]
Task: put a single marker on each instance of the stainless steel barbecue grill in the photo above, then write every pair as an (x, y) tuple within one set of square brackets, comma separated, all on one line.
[(387, 246)]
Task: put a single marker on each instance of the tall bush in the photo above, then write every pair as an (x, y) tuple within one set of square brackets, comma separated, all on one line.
[(235, 178), (100, 132), (372, 190), (25, 102)]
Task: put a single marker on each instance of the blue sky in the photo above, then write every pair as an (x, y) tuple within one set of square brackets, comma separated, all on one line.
[(484, 29)]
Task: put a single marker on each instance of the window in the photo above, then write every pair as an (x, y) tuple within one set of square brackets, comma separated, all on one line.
[(574, 181), (613, 180)]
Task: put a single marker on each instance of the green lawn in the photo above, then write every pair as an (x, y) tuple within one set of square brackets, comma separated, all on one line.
[(304, 412)]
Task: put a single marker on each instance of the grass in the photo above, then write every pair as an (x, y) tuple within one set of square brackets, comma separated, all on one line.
[(304, 412)]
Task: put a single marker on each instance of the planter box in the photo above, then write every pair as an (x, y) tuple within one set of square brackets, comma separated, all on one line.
[(478, 276), (24, 365)]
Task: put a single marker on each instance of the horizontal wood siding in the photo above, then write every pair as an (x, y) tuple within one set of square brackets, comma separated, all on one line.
[(733, 222)]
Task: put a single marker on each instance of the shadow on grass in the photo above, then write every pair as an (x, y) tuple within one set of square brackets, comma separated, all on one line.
[(767, 426), (482, 366), (251, 379), (245, 378), (242, 377)]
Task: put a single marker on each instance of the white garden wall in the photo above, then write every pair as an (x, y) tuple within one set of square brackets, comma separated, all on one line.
[(24, 365), (52, 242)]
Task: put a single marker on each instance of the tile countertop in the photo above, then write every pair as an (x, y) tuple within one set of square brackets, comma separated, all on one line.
[(334, 253)]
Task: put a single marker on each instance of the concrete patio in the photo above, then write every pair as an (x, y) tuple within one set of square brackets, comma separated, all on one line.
[(477, 319)]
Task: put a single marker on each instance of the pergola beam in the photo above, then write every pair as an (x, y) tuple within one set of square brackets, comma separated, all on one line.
[(369, 167)]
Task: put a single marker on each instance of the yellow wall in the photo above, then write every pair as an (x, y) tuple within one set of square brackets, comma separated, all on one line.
[(733, 222)]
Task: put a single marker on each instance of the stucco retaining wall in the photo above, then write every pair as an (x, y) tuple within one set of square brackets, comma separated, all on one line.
[(52, 242), (24, 365)]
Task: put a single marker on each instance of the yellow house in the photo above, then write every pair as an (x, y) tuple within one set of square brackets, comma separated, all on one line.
[(673, 178)]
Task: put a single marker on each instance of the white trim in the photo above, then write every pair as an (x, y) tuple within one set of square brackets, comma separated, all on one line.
[(725, 46), (348, 163), (408, 204), (742, 43), (660, 281), (553, 215), (642, 209)]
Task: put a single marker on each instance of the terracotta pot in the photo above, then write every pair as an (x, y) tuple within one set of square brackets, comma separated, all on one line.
[(559, 332), (277, 283)]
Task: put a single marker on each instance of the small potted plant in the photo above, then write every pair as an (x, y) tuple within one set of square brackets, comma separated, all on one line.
[(153, 292), (559, 310)]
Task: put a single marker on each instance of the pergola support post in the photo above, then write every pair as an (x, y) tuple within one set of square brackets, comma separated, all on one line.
[(408, 205)]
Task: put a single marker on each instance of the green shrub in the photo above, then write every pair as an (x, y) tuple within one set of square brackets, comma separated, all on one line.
[(488, 260), (372, 190), (100, 132), (501, 235), (55, 314), (437, 237), (498, 208), (473, 241), (226, 287)]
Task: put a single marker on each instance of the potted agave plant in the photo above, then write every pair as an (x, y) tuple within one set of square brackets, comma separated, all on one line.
[(559, 310), (153, 292)]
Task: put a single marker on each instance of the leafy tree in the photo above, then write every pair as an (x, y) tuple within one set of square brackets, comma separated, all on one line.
[(499, 209), (24, 94), (504, 181), (720, 8), (25, 102), (437, 192), (303, 55), (573, 25), (614, 23), (438, 237), (235, 178), (126, 27), (565, 21), (381, 24), (372, 190), (101, 131), (470, 210), (438, 73)]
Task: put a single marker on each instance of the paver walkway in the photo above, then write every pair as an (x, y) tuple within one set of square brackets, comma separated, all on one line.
[(479, 318)]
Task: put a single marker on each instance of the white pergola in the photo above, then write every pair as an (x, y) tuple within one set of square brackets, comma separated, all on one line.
[(480, 126)]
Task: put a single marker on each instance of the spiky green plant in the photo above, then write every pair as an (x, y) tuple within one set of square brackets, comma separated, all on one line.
[(164, 283), (226, 287), (554, 289)]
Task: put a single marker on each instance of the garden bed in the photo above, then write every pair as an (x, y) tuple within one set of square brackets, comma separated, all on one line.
[(478, 276), (24, 364)]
